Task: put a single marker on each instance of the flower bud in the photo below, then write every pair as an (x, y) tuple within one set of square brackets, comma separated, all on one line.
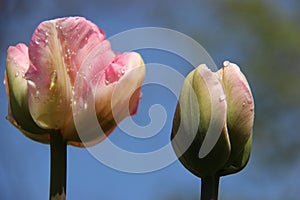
[(61, 52), (213, 121)]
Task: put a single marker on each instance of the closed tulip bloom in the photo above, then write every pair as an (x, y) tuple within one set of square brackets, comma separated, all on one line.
[(40, 80), (215, 112)]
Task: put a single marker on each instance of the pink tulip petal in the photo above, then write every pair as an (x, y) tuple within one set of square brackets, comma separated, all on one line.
[(58, 49), (240, 103), (18, 63), (16, 89), (118, 91)]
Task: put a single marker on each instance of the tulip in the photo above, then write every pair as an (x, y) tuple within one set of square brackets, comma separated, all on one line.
[(40, 83), (212, 125)]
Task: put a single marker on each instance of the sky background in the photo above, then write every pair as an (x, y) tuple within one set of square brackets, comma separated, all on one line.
[(263, 37)]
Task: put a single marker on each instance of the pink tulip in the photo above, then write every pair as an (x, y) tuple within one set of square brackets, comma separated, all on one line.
[(40, 80)]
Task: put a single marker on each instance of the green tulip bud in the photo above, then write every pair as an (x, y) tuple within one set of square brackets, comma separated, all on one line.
[(213, 121)]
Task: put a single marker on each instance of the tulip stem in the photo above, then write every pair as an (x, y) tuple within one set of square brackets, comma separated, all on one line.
[(210, 188), (58, 163)]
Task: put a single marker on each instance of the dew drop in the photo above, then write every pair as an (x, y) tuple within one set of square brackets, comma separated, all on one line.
[(106, 82), (53, 79), (73, 91), (16, 74), (226, 63), (123, 70), (46, 33), (85, 105), (222, 98), (46, 41), (249, 100), (37, 42)]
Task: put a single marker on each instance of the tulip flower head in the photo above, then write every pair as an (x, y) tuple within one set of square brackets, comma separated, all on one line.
[(40, 80), (214, 117)]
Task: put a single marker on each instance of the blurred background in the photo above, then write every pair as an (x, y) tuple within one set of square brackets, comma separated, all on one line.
[(262, 36)]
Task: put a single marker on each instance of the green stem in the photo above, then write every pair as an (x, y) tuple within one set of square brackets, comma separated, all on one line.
[(58, 163), (210, 188)]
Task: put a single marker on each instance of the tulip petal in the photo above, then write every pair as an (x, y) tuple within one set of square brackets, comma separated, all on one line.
[(114, 94), (17, 64), (240, 160), (118, 91), (240, 113), (57, 50)]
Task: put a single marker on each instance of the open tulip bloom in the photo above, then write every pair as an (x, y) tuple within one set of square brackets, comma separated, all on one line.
[(67, 63), (212, 125)]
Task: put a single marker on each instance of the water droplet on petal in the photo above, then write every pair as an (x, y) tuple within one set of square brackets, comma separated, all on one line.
[(106, 82), (85, 105), (249, 100), (226, 63), (46, 41), (123, 69), (222, 98), (16, 74), (243, 104), (53, 79), (37, 42)]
